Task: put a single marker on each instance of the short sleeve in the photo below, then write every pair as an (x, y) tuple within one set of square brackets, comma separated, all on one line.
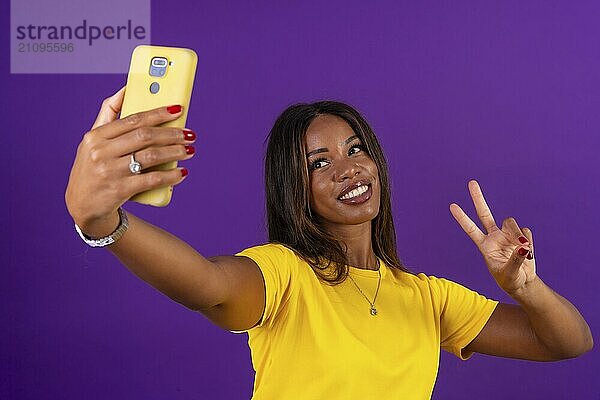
[(463, 314), (277, 264)]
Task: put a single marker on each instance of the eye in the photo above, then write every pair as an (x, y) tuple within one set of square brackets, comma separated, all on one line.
[(360, 146), (316, 164)]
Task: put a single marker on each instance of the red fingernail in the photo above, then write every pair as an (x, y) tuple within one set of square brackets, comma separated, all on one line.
[(184, 171), (174, 109), (522, 252), (190, 149), (189, 135), (523, 239)]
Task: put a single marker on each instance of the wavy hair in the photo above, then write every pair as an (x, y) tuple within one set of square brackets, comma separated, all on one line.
[(287, 186)]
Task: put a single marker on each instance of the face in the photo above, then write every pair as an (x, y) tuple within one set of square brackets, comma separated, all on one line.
[(337, 160)]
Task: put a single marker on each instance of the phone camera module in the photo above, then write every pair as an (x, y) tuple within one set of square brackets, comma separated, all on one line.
[(158, 66)]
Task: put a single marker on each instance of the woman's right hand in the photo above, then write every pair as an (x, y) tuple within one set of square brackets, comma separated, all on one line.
[(100, 180)]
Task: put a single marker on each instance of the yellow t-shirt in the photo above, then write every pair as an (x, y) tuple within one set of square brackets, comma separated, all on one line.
[(317, 341)]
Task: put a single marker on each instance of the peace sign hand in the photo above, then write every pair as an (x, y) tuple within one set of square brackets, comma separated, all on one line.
[(508, 252)]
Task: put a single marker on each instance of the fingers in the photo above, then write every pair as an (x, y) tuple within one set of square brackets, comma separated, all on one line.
[(153, 180), (144, 137), (111, 107), (100, 180), (483, 211), (521, 237), (467, 224), (153, 156), (529, 235), (510, 226), (145, 118), (516, 259)]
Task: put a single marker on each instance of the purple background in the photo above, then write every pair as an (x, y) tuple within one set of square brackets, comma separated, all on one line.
[(504, 93)]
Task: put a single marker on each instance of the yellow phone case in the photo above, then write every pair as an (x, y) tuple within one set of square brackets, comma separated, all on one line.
[(175, 87)]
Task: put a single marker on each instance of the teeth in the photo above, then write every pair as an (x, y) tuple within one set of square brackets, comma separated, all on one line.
[(356, 192)]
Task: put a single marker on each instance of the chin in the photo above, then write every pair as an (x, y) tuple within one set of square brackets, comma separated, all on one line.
[(344, 217)]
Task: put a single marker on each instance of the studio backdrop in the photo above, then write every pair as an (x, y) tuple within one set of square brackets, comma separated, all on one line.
[(507, 93)]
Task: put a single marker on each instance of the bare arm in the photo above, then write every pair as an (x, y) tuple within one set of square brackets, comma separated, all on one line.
[(228, 290), (544, 326)]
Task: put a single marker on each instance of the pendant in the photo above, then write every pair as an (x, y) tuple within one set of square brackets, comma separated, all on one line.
[(373, 310)]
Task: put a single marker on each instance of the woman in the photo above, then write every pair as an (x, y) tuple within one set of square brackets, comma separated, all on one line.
[(330, 310)]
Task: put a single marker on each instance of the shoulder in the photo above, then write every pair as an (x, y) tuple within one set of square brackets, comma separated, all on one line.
[(420, 279), (430, 281), (272, 256), (438, 288), (268, 249)]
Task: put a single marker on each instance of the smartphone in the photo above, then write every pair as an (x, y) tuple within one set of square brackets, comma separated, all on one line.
[(159, 76)]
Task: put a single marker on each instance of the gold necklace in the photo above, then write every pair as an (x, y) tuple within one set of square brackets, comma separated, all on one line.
[(373, 310)]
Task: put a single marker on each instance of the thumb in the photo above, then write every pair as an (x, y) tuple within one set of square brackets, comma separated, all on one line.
[(111, 107), (516, 259)]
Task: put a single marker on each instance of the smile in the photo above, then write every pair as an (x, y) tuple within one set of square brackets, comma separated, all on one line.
[(358, 196)]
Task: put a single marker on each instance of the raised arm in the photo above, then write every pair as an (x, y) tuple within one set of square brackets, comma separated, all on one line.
[(544, 326), (228, 290)]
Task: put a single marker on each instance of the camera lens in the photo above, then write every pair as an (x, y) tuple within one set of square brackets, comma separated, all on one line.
[(158, 66)]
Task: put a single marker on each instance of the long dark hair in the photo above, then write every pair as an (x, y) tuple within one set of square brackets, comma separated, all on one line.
[(287, 185)]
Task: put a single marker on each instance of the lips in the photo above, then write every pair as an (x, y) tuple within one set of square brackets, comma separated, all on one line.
[(360, 199), (351, 187)]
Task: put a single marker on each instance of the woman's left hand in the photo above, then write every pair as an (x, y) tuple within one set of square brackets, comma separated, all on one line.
[(508, 252)]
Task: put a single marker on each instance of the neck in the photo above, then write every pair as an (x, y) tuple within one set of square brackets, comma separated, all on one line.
[(357, 240)]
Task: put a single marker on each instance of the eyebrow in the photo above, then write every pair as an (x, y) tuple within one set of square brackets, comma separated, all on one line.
[(323, 149)]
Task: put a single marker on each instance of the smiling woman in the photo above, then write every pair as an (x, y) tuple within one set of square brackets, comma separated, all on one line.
[(312, 332), (315, 153)]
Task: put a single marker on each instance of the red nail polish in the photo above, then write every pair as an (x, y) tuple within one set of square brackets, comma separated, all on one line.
[(523, 239), (522, 252), (184, 171), (190, 149), (189, 135), (174, 109)]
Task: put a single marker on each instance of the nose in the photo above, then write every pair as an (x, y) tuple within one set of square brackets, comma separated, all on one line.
[(347, 169)]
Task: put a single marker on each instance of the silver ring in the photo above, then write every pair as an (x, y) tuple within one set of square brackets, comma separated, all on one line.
[(134, 166)]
